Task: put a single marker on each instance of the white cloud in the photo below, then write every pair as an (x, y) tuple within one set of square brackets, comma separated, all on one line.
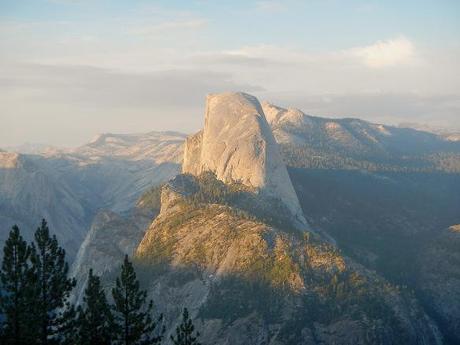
[(385, 53)]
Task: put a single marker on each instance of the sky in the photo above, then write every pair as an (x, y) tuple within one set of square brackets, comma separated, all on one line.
[(70, 69)]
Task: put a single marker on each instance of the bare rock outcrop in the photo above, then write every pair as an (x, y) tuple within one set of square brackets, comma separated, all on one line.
[(9, 160), (237, 144)]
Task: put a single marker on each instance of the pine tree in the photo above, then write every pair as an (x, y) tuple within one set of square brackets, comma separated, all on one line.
[(51, 285), (69, 326), (134, 324), (184, 332), (94, 316), (15, 297)]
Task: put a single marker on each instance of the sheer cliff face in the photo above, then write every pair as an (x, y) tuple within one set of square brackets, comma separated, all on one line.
[(238, 146)]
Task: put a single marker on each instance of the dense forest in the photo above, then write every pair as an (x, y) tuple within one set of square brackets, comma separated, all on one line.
[(337, 158)]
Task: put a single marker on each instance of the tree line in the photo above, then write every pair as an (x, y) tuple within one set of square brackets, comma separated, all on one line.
[(35, 306)]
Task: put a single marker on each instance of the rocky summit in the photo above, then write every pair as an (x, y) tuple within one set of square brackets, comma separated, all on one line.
[(237, 145)]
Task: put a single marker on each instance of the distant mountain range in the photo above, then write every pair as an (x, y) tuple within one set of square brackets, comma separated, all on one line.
[(314, 142), (69, 187), (447, 133)]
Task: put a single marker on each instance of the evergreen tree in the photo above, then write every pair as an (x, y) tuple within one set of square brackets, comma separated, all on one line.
[(94, 316), (51, 285), (134, 324), (69, 326), (184, 332), (15, 297)]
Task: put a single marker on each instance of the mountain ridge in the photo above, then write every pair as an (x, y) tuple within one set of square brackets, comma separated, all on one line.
[(213, 251)]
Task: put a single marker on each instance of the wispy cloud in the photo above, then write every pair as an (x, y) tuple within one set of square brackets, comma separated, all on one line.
[(228, 58), (163, 27), (86, 85), (385, 53), (71, 103)]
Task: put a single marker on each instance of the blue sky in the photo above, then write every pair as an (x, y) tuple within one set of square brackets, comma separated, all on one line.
[(74, 68), (316, 24)]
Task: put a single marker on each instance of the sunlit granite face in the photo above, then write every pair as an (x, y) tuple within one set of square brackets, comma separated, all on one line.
[(237, 144)]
